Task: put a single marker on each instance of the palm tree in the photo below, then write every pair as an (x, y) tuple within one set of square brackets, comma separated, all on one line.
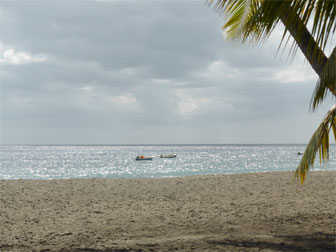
[(254, 21)]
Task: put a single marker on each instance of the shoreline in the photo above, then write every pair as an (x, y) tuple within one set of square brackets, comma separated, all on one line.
[(169, 177), (222, 212)]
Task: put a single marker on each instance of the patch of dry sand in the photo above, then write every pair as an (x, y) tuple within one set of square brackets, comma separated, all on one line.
[(240, 212)]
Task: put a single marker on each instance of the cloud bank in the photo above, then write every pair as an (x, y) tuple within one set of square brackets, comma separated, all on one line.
[(132, 72)]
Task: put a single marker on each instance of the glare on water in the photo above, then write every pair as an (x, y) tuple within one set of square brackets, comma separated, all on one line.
[(58, 162)]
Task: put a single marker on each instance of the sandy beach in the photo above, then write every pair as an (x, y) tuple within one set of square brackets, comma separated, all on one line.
[(241, 212)]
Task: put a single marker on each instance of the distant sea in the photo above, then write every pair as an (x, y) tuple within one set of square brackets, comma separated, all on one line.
[(118, 161)]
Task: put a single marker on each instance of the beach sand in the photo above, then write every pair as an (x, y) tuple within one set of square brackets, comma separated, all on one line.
[(240, 212)]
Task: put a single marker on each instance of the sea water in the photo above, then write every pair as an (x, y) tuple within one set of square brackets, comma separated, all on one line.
[(118, 161)]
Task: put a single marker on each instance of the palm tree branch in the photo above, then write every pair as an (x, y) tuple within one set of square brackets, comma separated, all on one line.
[(304, 40), (264, 15), (327, 81), (318, 142)]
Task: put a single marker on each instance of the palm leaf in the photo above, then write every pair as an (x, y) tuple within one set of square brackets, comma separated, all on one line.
[(326, 82), (256, 19), (318, 142), (236, 13)]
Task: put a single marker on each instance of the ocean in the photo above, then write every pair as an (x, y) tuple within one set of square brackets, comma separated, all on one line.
[(118, 161)]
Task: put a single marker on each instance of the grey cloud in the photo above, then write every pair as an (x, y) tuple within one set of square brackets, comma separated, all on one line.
[(117, 70)]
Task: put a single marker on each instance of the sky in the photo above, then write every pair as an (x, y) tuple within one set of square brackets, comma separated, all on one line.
[(145, 72)]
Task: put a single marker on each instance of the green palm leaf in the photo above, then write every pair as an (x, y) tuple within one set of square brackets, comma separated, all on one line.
[(326, 82), (318, 142), (257, 18)]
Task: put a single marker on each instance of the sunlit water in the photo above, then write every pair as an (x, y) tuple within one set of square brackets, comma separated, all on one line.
[(59, 162)]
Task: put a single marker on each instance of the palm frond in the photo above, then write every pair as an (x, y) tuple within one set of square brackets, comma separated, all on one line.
[(236, 12), (326, 82), (256, 19), (324, 21), (318, 142), (235, 23)]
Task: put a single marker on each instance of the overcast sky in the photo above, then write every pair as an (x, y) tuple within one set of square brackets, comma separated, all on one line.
[(133, 72)]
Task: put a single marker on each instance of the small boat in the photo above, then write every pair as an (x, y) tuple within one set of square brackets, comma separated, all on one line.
[(168, 156), (300, 153), (138, 158)]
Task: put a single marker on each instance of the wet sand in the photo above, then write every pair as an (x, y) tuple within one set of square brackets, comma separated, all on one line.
[(241, 212)]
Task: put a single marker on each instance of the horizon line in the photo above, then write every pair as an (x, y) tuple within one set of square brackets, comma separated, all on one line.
[(160, 144)]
